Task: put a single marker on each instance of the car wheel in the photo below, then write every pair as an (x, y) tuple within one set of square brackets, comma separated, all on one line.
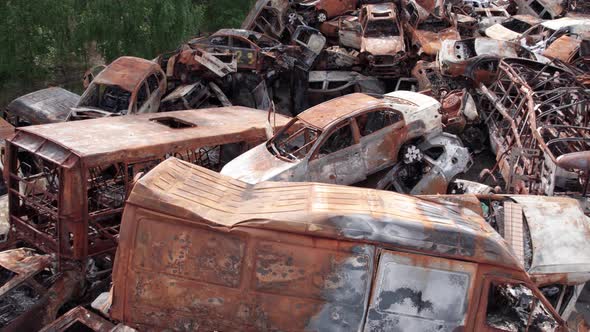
[(322, 16)]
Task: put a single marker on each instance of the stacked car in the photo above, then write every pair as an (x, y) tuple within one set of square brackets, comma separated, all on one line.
[(244, 180)]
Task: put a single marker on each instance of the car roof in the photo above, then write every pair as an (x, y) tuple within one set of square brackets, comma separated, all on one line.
[(325, 114), (44, 106), (126, 72), (381, 8), (530, 19), (203, 197), (566, 22), (238, 32), (132, 134)]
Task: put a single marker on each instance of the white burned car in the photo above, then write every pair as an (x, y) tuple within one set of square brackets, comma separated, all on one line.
[(343, 140)]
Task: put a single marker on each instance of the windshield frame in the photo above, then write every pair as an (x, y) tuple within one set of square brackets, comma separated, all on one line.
[(291, 131), (371, 32)]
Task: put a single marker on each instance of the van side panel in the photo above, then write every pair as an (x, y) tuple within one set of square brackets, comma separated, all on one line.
[(173, 274)]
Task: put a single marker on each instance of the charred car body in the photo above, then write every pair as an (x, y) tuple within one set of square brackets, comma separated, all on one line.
[(513, 28), (428, 24), (537, 115), (320, 284), (44, 106), (32, 291), (326, 85), (129, 85), (341, 141), (382, 39)]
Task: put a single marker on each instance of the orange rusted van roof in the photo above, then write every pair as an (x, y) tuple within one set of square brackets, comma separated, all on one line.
[(132, 135), (179, 189)]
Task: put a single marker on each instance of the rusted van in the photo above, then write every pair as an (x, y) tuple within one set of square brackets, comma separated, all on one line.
[(202, 251), (68, 181), (549, 235)]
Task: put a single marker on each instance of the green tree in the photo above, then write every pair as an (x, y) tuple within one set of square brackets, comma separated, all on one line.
[(47, 42), (225, 13)]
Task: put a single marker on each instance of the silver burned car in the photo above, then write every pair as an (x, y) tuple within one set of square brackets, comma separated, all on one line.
[(342, 140)]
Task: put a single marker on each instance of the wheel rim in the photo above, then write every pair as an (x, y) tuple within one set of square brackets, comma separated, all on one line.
[(322, 17)]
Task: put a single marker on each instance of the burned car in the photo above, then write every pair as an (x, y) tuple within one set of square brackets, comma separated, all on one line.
[(323, 10), (545, 9), (258, 52), (247, 46), (568, 48), (428, 166), (40, 107), (129, 85), (309, 256), (562, 39), (512, 29), (428, 24), (549, 235), (457, 57), (382, 39), (340, 141), (539, 128), (478, 4), (350, 32), (267, 17), (32, 292), (70, 180), (490, 16), (81, 319)]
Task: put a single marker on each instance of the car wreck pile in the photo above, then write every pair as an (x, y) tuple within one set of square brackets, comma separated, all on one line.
[(333, 165)]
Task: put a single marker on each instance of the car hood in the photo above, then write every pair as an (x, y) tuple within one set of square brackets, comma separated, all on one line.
[(383, 46), (257, 165), (499, 32), (431, 42), (560, 234)]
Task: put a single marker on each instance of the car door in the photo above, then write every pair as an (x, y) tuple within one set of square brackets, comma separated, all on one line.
[(245, 52), (143, 98), (382, 132), (337, 157), (138, 99), (413, 292), (563, 297), (155, 93)]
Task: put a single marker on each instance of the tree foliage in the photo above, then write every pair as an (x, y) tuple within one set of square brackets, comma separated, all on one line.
[(41, 40), (226, 13)]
